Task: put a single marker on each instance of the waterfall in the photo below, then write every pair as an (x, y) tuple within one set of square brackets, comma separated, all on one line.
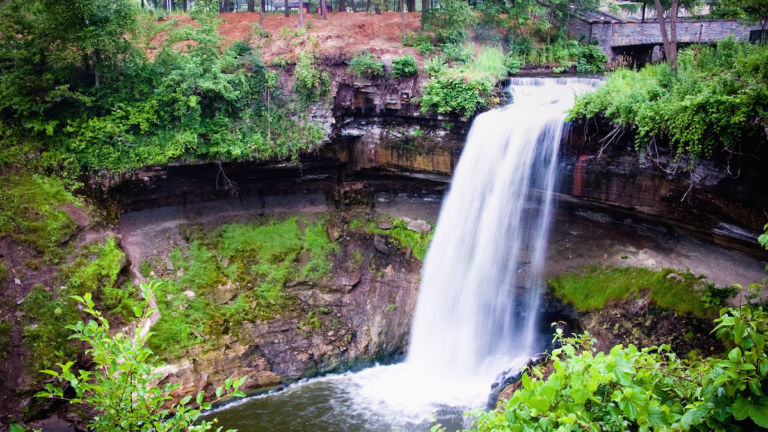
[(479, 296)]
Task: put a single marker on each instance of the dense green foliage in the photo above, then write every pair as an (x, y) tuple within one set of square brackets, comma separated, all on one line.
[(711, 104), (78, 86), (235, 273), (456, 92), (562, 55), (120, 385), (648, 389), (404, 66), (310, 83), (591, 287), (450, 23), (365, 65), (32, 212)]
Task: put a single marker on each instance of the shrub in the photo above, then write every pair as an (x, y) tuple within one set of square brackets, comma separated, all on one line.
[(404, 66), (450, 22), (646, 389), (458, 92), (120, 387), (710, 105), (366, 66), (512, 63), (435, 66), (310, 83), (458, 52)]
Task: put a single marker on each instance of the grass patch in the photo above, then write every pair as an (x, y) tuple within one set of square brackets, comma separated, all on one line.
[(31, 212), (593, 286)]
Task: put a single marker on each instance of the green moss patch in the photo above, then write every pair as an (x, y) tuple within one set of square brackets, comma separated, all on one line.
[(31, 211), (403, 238), (94, 269), (593, 286), (237, 273)]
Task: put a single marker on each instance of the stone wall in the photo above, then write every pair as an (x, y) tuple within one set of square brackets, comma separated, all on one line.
[(609, 35)]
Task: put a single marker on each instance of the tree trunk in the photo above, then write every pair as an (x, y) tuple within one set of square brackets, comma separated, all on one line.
[(664, 36), (342, 6), (96, 80), (262, 6), (424, 5), (368, 6), (643, 18), (251, 5), (301, 13), (673, 30), (411, 4), (402, 18), (377, 8), (354, 5), (323, 9), (288, 11)]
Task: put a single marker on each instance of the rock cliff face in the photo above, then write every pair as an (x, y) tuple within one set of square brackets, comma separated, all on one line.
[(360, 315), (378, 141)]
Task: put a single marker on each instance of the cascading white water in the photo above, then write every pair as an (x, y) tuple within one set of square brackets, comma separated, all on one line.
[(476, 314), (471, 317), (477, 309)]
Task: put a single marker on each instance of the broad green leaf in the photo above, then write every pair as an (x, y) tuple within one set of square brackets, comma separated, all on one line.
[(740, 408), (759, 415)]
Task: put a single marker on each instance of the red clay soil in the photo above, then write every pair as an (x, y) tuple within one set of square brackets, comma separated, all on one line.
[(344, 33)]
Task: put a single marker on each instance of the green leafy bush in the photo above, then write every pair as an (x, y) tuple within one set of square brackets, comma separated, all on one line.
[(450, 22), (706, 107), (404, 66), (456, 92), (192, 99), (435, 66), (648, 389), (462, 53), (120, 386), (366, 65), (512, 64), (310, 83)]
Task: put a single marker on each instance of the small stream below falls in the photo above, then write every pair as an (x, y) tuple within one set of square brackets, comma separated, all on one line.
[(479, 297)]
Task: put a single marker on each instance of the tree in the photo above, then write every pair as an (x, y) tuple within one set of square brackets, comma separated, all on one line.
[(120, 385), (402, 18), (669, 41), (753, 10)]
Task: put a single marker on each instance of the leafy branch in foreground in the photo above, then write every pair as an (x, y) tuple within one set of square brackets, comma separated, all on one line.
[(120, 386)]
